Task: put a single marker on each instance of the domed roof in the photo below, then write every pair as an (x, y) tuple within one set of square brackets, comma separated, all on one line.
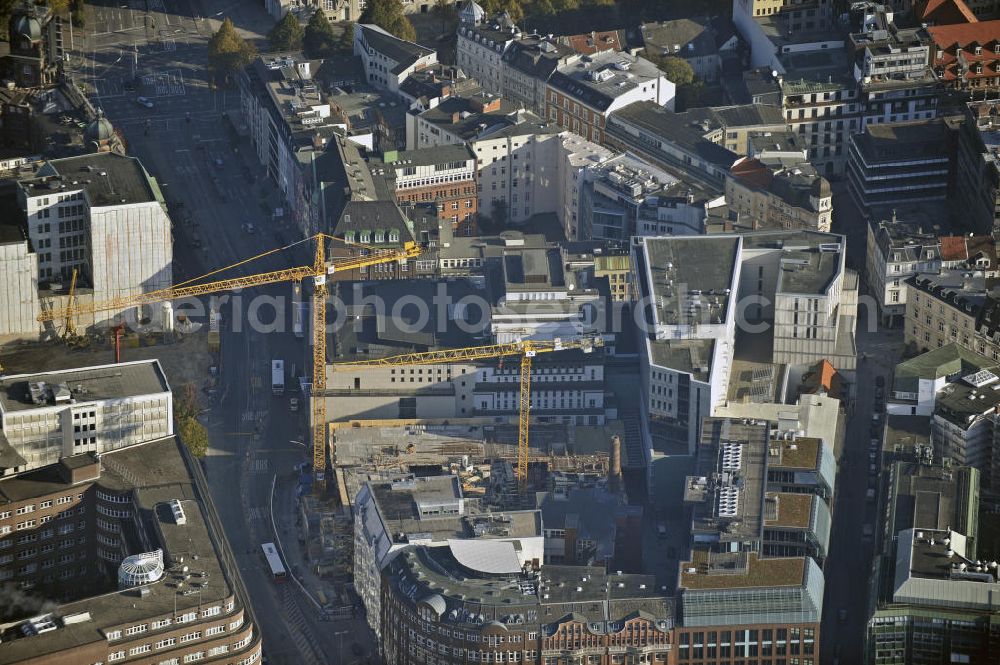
[(821, 188), (28, 27), (100, 129)]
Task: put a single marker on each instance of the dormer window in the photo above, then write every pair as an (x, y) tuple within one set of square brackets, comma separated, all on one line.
[(393, 236), (348, 236), (979, 50), (379, 237), (365, 237)]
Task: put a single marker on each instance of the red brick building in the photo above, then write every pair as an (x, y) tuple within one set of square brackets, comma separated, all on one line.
[(444, 176)]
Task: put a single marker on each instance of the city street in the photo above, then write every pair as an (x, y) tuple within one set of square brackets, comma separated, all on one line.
[(220, 203), (850, 551)]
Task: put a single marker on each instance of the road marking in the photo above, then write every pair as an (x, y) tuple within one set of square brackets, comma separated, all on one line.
[(183, 150)]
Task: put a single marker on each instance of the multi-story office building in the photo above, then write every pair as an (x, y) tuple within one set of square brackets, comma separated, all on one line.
[(951, 307), (397, 515), (752, 587), (582, 95), (458, 119), (689, 285), (49, 416), (289, 120), (441, 176), (89, 214), (106, 514), (901, 163), (663, 138), (824, 109), (800, 288), (977, 174), (931, 594), (892, 71), (476, 602), (112, 538)]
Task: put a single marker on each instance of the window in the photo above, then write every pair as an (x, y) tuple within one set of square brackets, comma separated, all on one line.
[(191, 657), (214, 630), (168, 642), (211, 611), (135, 630), (145, 648), (117, 655)]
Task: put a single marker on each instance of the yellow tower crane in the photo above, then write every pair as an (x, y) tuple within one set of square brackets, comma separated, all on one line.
[(526, 349), (318, 272), (70, 330)]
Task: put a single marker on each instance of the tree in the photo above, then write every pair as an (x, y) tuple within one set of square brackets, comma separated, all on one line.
[(388, 15), (514, 9), (445, 11), (189, 428), (194, 435), (346, 42), (58, 6), (677, 70), (286, 35), (319, 39), (228, 53)]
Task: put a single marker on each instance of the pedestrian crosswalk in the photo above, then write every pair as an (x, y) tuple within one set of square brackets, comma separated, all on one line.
[(255, 514), (300, 631), (260, 466)]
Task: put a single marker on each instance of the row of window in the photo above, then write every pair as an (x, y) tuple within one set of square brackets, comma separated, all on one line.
[(187, 617)]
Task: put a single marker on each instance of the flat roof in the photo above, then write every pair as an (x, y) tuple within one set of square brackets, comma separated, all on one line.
[(789, 510), (109, 179), (740, 570), (104, 382), (693, 356), (618, 74), (801, 453), (692, 277), (157, 473)]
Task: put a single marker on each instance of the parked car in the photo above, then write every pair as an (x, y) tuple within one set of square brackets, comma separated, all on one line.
[(842, 615), (880, 381), (867, 531), (879, 393), (293, 403), (143, 101)]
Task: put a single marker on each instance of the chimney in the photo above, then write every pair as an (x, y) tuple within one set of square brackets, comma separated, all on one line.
[(615, 470)]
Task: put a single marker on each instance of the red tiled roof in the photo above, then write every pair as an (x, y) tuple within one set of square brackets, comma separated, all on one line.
[(944, 12), (982, 245), (594, 42), (961, 39), (752, 171), (953, 248)]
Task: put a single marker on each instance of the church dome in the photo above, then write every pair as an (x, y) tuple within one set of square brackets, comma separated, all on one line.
[(27, 27), (100, 129)]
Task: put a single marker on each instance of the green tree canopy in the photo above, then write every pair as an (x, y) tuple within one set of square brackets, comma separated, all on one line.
[(286, 35), (319, 40), (388, 15), (347, 38), (228, 53), (677, 70)]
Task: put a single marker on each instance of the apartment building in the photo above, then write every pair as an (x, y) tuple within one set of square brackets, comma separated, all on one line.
[(393, 516), (388, 60), (582, 95), (700, 41), (88, 214), (578, 162), (518, 166), (109, 539), (441, 176), (824, 110), (897, 249), (977, 175), (480, 49), (776, 194), (733, 127), (335, 10), (965, 56), (458, 119), (527, 64), (950, 307), (48, 416)]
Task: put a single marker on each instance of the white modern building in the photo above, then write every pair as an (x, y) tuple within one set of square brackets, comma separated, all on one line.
[(100, 215), (388, 60), (48, 416)]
